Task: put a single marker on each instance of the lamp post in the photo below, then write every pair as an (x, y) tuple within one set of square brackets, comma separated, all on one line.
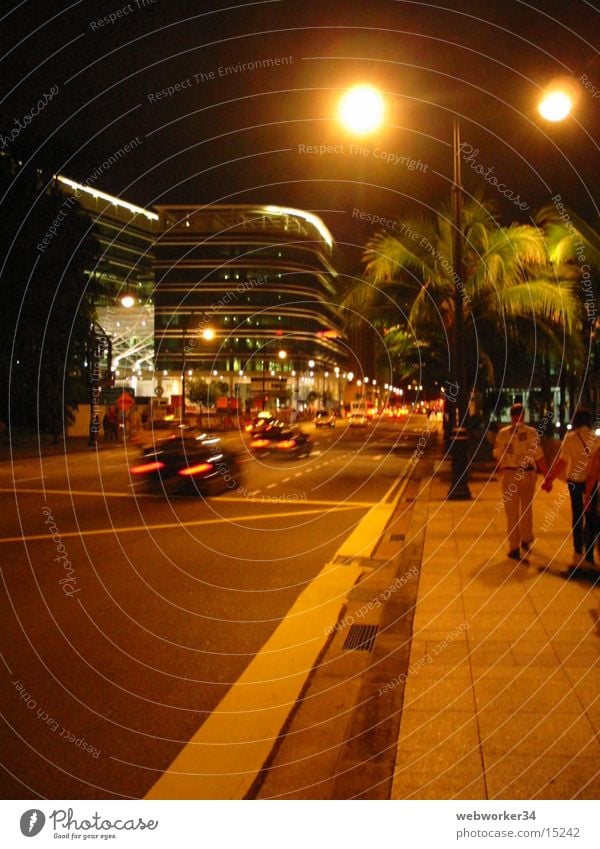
[(459, 484), (282, 354), (362, 111), (183, 353)]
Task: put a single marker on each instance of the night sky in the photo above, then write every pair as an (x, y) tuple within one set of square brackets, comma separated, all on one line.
[(239, 135)]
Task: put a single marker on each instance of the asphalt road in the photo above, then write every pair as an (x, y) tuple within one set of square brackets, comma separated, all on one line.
[(129, 616)]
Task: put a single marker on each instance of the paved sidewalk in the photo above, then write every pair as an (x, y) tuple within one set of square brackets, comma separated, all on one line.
[(502, 696)]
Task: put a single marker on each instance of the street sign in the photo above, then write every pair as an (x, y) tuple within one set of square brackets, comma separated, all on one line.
[(113, 396), (125, 401)]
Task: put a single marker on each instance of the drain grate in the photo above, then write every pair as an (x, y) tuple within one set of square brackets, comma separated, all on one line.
[(360, 637), (366, 593)]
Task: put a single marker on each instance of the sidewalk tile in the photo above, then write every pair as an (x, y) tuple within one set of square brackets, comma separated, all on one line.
[(422, 780), (520, 777), (523, 733)]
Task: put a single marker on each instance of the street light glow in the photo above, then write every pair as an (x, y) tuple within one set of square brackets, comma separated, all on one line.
[(208, 333), (127, 301), (361, 109), (555, 105)]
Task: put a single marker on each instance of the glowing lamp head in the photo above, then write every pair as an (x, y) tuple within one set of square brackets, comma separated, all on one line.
[(362, 109), (127, 301), (208, 333), (555, 106)]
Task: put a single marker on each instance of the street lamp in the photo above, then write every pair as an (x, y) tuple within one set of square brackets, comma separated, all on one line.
[(362, 109), (371, 103), (282, 354), (558, 100)]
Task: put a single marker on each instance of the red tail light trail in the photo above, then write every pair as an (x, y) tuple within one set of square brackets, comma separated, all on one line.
[(146, 467), (200, 469)]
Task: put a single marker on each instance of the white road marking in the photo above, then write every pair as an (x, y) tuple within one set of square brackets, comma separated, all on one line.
[(164, 526)]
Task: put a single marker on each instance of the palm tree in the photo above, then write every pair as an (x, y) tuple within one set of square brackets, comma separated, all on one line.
[(574, 245), (509, 288)]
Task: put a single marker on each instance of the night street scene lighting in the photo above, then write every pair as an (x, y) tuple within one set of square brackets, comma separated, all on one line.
[(297, 300)]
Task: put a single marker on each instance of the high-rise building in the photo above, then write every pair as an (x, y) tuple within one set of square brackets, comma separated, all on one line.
[(245, 295), (126, 234)]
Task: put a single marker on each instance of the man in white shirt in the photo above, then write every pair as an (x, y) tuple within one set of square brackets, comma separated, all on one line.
[(519, 453)]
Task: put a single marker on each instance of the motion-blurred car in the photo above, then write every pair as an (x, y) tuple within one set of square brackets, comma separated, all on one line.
[(261, 422), (282, 441), (324, 418), (357, 420), (187, 463)]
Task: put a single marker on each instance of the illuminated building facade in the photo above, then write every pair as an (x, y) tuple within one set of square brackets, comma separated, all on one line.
[(240, 296), (246, 295), (126, 234)]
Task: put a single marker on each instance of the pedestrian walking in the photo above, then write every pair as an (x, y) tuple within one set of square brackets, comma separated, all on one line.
[(575, 458), (113, 425), (106, 426), (590, 498), (519, 453)]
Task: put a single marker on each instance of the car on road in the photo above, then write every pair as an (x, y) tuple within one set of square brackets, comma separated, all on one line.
[(261, 422), (357, 420), (284, 441), (187, 463), (324, 418)]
